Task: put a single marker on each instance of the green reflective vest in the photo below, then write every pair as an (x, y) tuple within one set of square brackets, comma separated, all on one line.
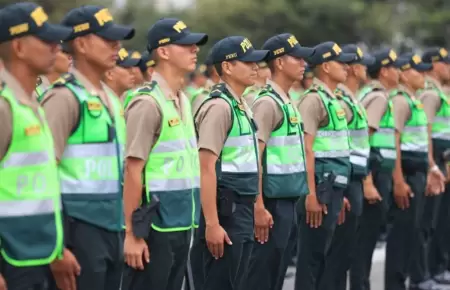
[(283, 161), (128, 97), (172, 171), (414, 138), (40, 92), (441, 123), (331, 143), (359, 137), (383, 140), (31, 231), (91, 168), (237, 166)]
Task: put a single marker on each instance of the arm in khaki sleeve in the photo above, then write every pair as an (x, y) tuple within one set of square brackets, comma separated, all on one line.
[(143, 120), (5, 128), (376, 105), (431, 103), (213, 122), (311, 110), (62, 113), (402, 113)]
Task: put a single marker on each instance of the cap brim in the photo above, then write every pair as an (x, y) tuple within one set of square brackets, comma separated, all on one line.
[(423, 67), (116, 32), (129, 62), (255, 56), (345, 58), (192, 38), (368, 60), (54, 33), (302, 52)]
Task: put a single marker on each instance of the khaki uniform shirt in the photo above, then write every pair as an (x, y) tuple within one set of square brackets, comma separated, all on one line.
[(5, 110), (431, 100), (44, 84), (268, 114), (213, 121), (402, 111), (376, 104), (143, 118), (198, 101), (62, 110), (313, 110)]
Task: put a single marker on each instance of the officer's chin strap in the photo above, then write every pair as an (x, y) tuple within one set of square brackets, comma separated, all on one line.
[(189, 278)]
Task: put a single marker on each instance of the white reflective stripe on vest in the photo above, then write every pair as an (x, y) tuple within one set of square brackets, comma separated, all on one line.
[(21, 159), (20, 208), (442, 119), (388, 153), (332, 154), (359, 133), (173, 146), (360, 152), (322, 134), (247, 161), (415, 129), (339, 179), (173, 184), (441, 135), (284, 140), (414, 147), (358, 160), (75, 186), (90, 150), (285, 168)]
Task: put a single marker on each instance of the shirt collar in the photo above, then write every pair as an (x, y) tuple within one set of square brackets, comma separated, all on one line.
[(434, 81), (164, 86), (376, 84), (279, 91), (346, 91), (87, 84), (13, 84), (318, 82)]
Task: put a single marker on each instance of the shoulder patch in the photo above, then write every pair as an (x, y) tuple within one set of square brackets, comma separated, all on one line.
[(147, 87), (63, 79), (217, 90)]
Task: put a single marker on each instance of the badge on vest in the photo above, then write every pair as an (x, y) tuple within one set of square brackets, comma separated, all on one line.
[(33, 130), (340, 114), (419, 106), (174, 122), (293, 120), (94, 106), (122, 113)]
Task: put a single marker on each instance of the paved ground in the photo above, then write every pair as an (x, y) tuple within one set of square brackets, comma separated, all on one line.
[(377, 277)]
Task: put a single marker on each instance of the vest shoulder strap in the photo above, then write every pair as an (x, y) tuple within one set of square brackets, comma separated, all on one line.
[(146, 89), (64, 80)]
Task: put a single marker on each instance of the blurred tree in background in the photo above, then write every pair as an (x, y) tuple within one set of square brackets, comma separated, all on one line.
[(403, 24)]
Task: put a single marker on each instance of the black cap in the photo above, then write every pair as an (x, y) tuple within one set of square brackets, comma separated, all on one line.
[(414, 61), (98, 20), (26, 18), (173, 31), (361, 58), (125, 60), (308, 74), (286, 43), (236, 48), (383, 58), (65, 47), (436, 54), (330, 51), (146, 61)]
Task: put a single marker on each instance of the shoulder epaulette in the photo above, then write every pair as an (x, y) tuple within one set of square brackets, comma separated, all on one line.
[(147, 87), (63, 80), (217, 90)]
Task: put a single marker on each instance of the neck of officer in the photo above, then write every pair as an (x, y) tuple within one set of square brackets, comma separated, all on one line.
[(352, 83), (24, 74), (173, 76), (409, 87), (331, 84), (237, 87), (387, 84), (92, 73), (283, 82), (434, 75), (115, 88)]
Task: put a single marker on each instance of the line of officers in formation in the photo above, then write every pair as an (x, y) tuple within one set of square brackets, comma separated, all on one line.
[(256, 167)]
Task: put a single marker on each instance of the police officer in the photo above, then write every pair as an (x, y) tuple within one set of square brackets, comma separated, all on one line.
[(263, 75), (308, 77), (89, 132), (213, 77), (146, 66), (344, 239), (378, 184), (405, 241), (437, 108), (327, 161), (31, 229), (280, 140), (122, 78), (229, 166), (197, 90), (61, 66), (138, 73), (161, 147)]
